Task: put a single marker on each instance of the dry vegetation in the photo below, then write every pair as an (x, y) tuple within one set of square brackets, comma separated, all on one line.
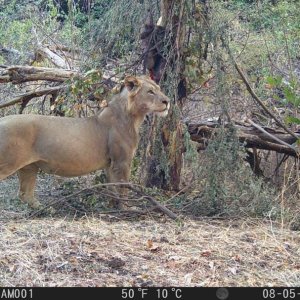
[(150, 250), (112, 252), (248, 239)]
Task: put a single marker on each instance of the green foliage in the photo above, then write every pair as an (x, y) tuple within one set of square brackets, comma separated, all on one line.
[(81, 86), (290, 95), (79, 90), (16, 33)]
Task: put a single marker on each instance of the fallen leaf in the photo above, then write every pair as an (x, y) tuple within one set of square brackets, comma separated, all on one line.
[(206, 254), (297, 267), (188, 278), (73, 260), (103, 104), (237, 258), (268, 86), (233, 270), (152, 247), (172, 264), (149, 244)]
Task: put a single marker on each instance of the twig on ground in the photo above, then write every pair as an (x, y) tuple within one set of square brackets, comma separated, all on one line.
[(133, 187)]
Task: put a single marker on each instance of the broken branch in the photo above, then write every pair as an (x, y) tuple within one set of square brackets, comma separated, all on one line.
[(270, 135), (257, 99), (19, 74), (29, 95), (250, 136)]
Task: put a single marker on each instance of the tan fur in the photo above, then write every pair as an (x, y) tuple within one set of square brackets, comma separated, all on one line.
[(77, 146)]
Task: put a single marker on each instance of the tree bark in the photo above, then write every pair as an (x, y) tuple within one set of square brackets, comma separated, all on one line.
[(163, 51)]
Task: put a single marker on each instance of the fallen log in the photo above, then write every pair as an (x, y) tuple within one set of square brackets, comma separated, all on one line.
[(248, 135), (20, 74)]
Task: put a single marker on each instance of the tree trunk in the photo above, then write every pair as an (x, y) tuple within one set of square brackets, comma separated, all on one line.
[(163, 59)]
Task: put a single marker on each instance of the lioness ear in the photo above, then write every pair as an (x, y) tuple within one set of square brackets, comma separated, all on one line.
[(131, 83)]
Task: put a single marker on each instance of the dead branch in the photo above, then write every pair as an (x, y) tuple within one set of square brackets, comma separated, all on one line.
[(29, 95), (271, 135), (55, 58), (156, 203), (19, 74), (253, 94), (250, 136), (260, 102)]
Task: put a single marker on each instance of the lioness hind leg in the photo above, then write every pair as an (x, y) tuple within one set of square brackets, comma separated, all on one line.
[(27, 178)]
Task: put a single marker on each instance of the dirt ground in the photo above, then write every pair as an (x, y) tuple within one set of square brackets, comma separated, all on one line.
[(106, 250)]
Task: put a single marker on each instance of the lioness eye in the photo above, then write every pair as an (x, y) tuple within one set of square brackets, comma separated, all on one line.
[(151, 92)]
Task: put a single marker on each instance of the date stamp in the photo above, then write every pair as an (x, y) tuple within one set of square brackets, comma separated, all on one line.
[(282, 293)]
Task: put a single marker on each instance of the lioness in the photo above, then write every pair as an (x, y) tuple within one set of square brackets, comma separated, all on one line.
[(77, 146)]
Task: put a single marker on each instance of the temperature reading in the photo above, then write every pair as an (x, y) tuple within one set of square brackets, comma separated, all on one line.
[(162, 293), (127, 293), (132, 293), (165, 293)]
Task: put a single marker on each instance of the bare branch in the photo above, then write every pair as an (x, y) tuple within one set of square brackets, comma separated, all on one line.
[(29, 95), (250, 136), (56, 59), (134, 187), (257, 99), (270, 135), (19, 74)]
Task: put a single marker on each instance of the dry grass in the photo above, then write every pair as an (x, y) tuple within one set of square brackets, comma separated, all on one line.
[(98, 252), (107, 250)]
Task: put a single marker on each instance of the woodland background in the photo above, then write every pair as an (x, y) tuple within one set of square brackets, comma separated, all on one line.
[(225, 160)]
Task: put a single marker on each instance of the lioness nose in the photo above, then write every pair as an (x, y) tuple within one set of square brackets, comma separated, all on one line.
[(165, 102)]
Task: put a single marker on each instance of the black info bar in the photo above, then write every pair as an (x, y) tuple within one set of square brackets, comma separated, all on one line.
[(150, 293)]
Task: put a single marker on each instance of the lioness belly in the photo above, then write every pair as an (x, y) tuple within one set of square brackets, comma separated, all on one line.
[(70, 168), (72, 161)]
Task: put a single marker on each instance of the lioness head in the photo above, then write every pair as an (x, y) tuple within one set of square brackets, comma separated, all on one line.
[(145, 96)]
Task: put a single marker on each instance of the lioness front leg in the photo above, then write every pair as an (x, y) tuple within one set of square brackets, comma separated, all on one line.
[(27, 179), (118, 172)]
